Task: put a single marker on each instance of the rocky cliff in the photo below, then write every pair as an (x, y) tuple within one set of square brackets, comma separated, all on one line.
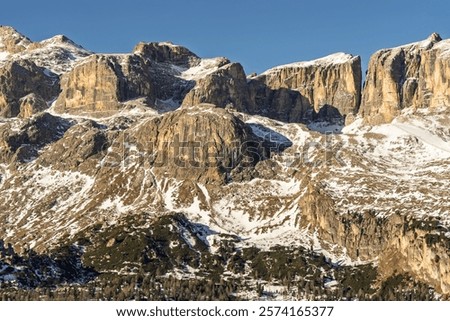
[(167, 76), (401, 244), (326, 88), (156, 73), (412, 75), (100, 83), (11, 41), (29, 71), (22, 78), (224, 87), (203, 143), (167, 52)]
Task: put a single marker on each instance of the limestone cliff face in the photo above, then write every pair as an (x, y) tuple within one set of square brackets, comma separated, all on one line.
[(21, 78), (202, 143), (168, 76), (22, 145), (414, 75), (225, 87), (29, 71), (166, 52), (329, 87), (401, 244), (101, 82)]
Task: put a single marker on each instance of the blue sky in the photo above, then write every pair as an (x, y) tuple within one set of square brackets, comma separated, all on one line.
[(258, 33)]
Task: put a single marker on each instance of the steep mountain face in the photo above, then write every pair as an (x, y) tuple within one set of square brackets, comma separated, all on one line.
[(158, 73), (327, 88), (11, 41), (32, 68), (157, 170), (403, 244), (204, 144), (101, 82), (166, 76), (224, 87), (413, 76), (22, 78)]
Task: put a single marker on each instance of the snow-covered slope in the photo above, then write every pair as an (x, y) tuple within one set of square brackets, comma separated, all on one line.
[(333, 59), (58, 54), (204, 68)]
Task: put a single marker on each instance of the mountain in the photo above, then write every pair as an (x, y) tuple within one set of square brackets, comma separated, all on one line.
[(33, 68), (328, 88), (161, 175), (413, 75)]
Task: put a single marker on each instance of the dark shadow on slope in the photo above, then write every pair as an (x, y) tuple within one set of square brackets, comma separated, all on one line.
[(291, 106), (273, 141), (31, 270), (23, 145)]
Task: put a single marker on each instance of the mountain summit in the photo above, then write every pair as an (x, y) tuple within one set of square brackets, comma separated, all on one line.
[(11, 41)]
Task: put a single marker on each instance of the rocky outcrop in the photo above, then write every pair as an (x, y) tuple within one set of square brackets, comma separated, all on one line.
[(401, 244), (31, 104), (225, 87), (21, 78), (413, 75), (167, 52), (12, 41), (202, 143), (326, 88), (100, 83), (23, 143), (79, 149)]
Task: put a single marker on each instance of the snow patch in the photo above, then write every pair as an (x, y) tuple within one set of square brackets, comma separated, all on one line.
[(204, 68), (4, 55), (333, 59)]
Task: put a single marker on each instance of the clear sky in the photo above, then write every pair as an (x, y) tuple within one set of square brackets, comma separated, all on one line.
[(257, 33)]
